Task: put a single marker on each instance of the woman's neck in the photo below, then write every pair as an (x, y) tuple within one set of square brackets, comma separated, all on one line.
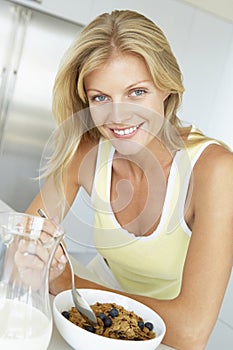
[(149, 158)]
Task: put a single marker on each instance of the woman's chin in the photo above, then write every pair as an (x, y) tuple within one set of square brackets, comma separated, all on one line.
[(127, 146)]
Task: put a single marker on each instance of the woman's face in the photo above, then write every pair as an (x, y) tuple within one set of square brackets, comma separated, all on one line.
[(125, 105)]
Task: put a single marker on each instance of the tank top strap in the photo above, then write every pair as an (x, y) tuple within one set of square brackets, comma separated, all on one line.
[(181, 178), (102, 178)]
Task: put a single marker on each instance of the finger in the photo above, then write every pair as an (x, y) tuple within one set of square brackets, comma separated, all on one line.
[(51, 228), (56, 271), (27, 248), (28, 262), (59, 259), (47, 240)]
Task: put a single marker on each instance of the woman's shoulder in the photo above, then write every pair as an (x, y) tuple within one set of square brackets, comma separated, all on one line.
[(210, 152), (215, 157), (214, 170)]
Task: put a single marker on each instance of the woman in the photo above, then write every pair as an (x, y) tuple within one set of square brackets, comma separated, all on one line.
[(162, 192)]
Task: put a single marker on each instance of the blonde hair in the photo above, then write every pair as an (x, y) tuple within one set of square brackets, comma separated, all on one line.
[(118, 32)]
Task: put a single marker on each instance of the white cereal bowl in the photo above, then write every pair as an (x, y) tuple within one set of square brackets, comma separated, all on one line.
[(81, 339)]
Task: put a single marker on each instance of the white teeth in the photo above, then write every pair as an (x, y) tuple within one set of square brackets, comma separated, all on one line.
[(127, 131)]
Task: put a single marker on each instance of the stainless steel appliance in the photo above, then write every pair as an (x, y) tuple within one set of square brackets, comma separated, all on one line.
[(31, 47)]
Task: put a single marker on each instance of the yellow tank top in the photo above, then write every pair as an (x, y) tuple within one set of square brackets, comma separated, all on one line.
[(147, 265)]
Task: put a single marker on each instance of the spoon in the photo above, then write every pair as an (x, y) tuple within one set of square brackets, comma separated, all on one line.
[(80, 303)]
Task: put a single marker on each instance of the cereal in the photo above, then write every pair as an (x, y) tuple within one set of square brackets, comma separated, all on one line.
[(113, 321)]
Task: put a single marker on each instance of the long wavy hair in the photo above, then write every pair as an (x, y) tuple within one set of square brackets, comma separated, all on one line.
[(121, 31)]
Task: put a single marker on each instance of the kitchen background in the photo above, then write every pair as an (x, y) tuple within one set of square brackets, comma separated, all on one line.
[(33, 38)]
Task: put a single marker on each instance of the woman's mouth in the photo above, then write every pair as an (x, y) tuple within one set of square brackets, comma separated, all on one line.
[(126, 132)]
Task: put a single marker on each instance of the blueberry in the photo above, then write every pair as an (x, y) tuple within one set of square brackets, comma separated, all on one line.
[(102, 316), (66, 314), (141, 324), (90, 329), (149, 325), (113, 312), (107, 322)]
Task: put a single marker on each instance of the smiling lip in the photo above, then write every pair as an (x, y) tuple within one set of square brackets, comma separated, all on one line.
[(125, 132)]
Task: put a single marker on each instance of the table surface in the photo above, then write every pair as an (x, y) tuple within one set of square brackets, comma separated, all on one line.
[(57, 342)]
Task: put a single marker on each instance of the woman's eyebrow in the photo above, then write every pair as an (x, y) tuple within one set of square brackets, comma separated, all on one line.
[(137, 83)]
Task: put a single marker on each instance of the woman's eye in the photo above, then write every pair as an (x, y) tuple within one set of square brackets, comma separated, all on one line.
[(138, 92), (99, 98)]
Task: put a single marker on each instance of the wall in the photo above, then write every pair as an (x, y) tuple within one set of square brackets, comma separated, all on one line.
[(223, 8)]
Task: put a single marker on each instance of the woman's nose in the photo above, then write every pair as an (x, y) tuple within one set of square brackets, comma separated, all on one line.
[(118, 112)]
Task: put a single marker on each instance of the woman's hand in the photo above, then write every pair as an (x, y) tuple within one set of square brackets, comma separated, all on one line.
[(33, 254), (30, 260)]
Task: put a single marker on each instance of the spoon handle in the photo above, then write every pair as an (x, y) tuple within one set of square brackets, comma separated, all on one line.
[(80, 303)]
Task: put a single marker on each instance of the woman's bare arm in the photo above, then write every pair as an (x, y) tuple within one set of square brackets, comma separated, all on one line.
[(49, 198)]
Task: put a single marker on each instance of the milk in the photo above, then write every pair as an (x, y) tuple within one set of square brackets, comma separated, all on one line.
[(23, 327)]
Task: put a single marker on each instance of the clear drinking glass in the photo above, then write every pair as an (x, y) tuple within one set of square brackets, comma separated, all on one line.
[(27, 246)]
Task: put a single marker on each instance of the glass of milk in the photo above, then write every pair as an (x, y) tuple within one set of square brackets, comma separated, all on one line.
[(27, 246)]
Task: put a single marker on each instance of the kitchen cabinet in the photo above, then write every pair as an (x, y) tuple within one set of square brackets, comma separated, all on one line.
[(70, 10)]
